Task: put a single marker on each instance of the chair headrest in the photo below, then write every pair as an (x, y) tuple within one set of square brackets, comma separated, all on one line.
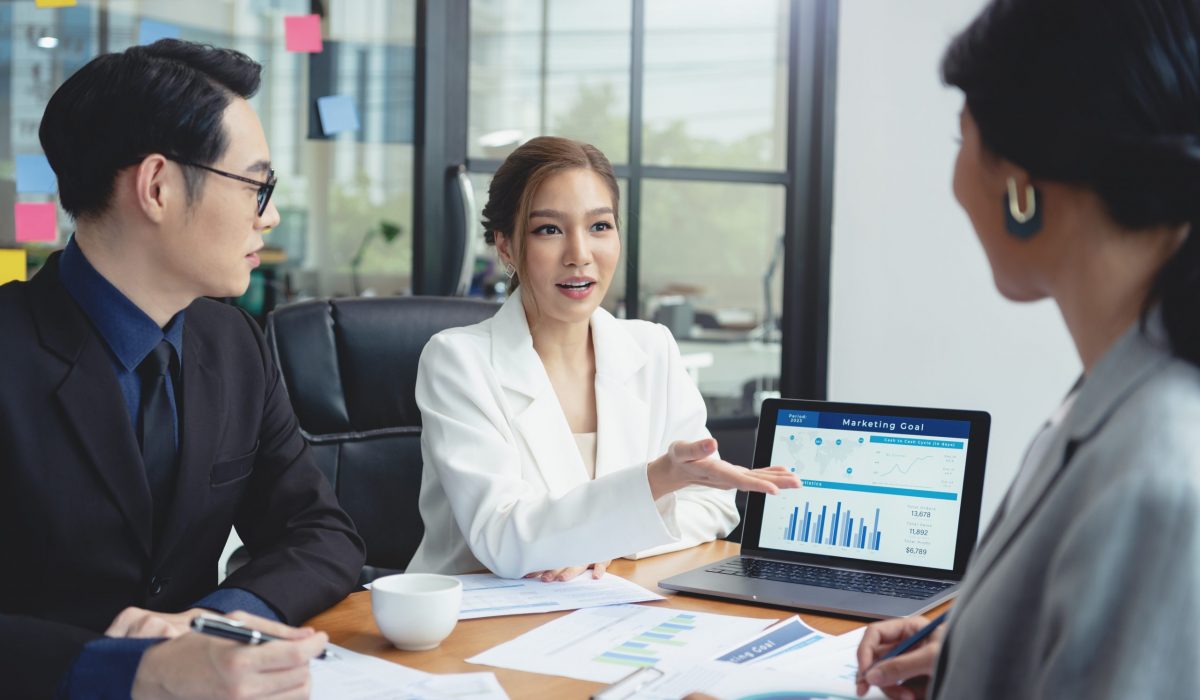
[(350, 365)]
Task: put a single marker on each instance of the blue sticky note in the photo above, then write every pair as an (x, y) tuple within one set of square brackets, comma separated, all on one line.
[(34, 175), (151, 31), (338, 114)]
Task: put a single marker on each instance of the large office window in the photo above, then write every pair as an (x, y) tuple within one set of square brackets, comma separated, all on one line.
[(548, 67), (689, 100), (716, 115), (716, 84), (336, 193)]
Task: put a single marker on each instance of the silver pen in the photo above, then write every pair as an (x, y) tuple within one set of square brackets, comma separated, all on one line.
[(226, 628)]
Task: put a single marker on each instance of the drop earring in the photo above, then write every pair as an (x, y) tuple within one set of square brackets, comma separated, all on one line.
[(509, 270), (1022, 223)]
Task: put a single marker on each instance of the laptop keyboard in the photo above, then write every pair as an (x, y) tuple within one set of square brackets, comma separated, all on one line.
[(839, 579)]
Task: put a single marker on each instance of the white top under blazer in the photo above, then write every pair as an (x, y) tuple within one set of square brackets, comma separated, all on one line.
[(503, 485)]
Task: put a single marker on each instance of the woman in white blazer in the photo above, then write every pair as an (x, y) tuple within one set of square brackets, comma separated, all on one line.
[(556, 437)]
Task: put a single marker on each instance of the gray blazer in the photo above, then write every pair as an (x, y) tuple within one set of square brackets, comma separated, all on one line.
[(1087, 586)]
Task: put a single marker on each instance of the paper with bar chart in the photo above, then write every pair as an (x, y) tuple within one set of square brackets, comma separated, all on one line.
[(605, 644), (874, 487), (789, 638), (487, 595), (726, 680), (789, 661)]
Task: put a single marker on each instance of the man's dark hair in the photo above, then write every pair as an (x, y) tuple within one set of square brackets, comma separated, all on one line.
[(168, 98)]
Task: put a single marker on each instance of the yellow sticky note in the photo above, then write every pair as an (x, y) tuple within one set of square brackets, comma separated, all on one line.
[(12, 265), (56, 3)]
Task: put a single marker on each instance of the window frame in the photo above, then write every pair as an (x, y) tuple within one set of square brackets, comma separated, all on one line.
[(441, 136)]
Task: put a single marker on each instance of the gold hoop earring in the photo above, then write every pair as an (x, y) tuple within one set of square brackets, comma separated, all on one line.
[(1014, 204)]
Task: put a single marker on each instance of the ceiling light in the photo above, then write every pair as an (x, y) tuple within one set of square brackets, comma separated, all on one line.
[(47, 42)]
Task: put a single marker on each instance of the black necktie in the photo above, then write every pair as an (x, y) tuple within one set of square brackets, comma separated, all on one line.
[(158, 430)]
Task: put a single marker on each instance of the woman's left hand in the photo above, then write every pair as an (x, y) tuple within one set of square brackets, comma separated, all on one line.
[(570, 572), (694, 463)]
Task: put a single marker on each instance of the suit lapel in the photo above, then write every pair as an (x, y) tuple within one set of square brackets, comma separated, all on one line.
[(537, 415), (1018, 512), (200, 414), (91, 401), (544, 428), (1125, 367), (622, 414)]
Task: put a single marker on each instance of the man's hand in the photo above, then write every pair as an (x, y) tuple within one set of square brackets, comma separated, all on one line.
[(136, 622), (197, 666)]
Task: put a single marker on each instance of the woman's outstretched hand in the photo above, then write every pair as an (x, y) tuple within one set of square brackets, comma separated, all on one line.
[(688, 463)]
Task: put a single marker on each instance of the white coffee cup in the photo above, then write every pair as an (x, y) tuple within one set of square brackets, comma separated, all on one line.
[(416, 611)]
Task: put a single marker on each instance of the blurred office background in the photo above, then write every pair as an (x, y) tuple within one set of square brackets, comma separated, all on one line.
[(785, 170)]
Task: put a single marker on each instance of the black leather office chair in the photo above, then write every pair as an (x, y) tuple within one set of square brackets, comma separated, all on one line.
[(350, 367)]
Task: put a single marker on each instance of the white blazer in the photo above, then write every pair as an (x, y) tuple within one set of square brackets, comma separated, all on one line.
[(504, 487)]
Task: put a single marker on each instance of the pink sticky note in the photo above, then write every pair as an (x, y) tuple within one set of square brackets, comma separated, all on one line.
[(303, 33), (35, 222)]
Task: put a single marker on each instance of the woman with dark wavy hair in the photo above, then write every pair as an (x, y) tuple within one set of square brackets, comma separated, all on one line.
[(1080, 171)]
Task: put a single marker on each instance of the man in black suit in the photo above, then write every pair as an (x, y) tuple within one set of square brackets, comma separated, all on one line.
[(140, 421)]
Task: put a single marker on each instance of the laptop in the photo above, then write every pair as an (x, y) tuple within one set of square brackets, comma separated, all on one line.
[(885, 519)]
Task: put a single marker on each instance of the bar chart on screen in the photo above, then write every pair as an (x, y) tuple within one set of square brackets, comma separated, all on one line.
[(843, 530), (864, 521), (875, 493)]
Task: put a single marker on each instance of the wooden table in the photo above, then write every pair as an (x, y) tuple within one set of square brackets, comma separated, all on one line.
[(349, 624)]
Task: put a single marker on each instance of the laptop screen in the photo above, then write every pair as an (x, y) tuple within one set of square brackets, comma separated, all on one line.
[(876, 486)]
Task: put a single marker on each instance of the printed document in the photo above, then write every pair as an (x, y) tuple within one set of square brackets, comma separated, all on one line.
[(347, 675), (487, 595), (780, 661), (733, 681), (605, 644)]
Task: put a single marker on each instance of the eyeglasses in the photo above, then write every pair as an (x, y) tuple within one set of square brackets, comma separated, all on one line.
[(264, 188)]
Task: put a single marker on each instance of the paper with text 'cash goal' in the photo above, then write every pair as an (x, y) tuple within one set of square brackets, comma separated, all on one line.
[(788, 660)]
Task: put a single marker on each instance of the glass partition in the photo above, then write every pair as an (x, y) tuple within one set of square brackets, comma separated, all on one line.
[(342, 197)]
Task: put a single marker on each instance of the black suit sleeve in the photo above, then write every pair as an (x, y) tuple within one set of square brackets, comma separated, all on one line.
[(305, 552), (36, 654)]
